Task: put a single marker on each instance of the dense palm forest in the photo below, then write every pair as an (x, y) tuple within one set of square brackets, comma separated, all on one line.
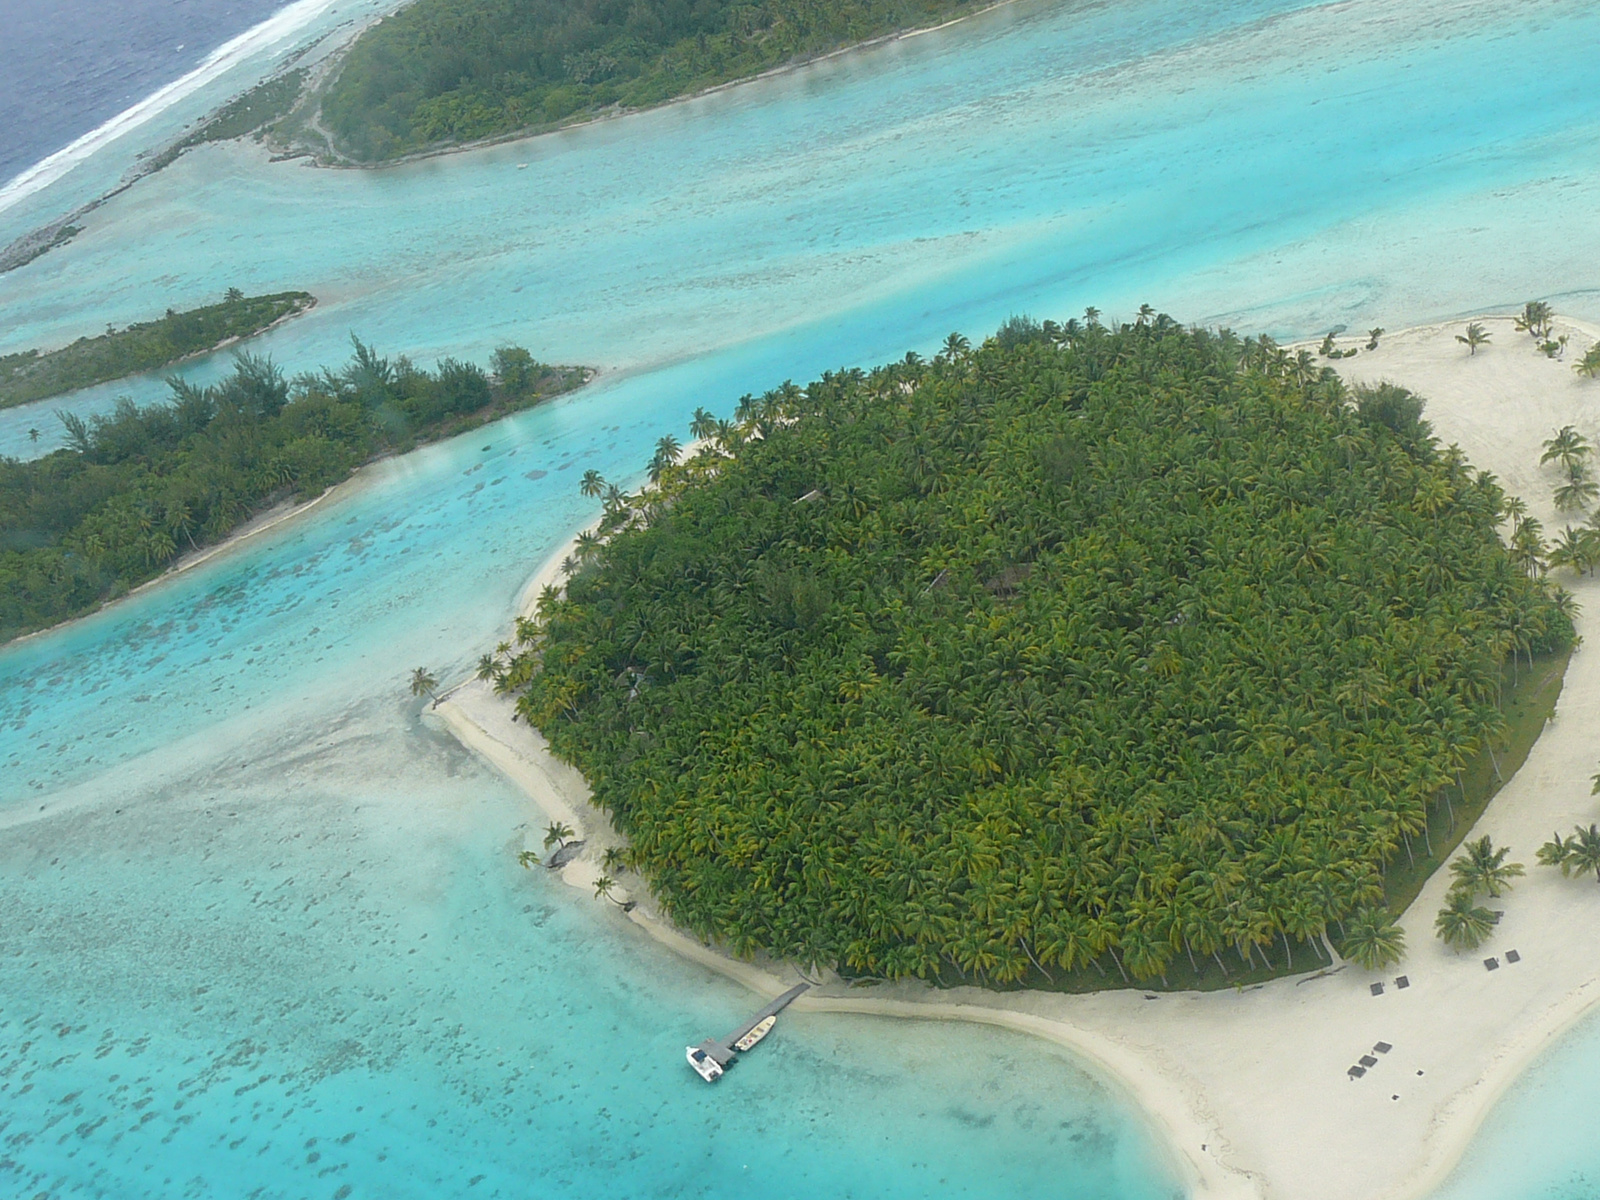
[(143, 346), (138, 487), (1086, 650), (456, 70)]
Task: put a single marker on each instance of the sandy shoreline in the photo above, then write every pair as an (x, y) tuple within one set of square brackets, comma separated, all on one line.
[(287, 152), (1249, 1088)]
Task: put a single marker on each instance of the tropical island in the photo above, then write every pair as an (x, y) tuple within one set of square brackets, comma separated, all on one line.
[(1339, 1081), (1085, 657), (139, 487), (30, 375), (443, 72)]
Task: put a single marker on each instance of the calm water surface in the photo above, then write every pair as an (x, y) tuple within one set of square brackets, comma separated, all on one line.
[(261, 930)]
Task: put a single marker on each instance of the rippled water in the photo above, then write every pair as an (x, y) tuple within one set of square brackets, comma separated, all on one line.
[(226, 827), (67, 67)]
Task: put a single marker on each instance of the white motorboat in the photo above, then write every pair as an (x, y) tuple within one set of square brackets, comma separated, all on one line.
[(704, 1065)]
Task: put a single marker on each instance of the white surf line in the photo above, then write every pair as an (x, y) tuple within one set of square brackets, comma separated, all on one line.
[(268, 33)]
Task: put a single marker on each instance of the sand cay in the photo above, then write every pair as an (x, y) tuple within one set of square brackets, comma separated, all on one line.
[(1252, 1089)]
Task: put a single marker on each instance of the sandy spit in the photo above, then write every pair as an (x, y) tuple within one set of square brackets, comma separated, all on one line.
[(1250, 1088)]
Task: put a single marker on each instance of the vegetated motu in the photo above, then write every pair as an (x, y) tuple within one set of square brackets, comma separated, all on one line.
[(140, 486), (267, 102), (1085, 649), (145, 346), (441, 71)]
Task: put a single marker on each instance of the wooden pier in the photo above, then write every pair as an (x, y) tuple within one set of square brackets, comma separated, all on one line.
[(723, 1053)]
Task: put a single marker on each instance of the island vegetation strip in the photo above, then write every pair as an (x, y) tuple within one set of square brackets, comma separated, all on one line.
[(138, 488), (29, 376)]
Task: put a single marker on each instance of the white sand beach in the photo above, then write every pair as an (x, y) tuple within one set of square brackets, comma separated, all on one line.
[(1251, 1088)]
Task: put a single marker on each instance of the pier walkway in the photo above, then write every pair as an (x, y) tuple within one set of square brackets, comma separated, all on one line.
[(723, 1052)]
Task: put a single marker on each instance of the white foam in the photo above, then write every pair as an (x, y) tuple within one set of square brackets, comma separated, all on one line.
[(274, 29)]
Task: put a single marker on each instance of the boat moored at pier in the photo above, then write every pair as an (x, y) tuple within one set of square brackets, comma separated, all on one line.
[(711, 1058)]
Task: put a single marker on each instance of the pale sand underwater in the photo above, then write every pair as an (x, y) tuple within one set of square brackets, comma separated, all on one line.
[(1251, 1088)]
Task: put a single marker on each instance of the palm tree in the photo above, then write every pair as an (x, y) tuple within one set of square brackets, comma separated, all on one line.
[(1554, 852), (1146, 315), (1091, 317), (1583, 852), (1563, 601), (423, 683), (556, 834), (528, 859), (1535, 319), (1567, 447), (956, 347), (1577, 493), (1373, 335), (702, 425), (592, 483), (33, 435), (1462, 922), (488, 668), (1484, 867), (587, 546), (614, 858), (1589, 364), (1373, 939), (668, 449), (1573, 549), (1475, 336), (602, 889), (1528, 547)]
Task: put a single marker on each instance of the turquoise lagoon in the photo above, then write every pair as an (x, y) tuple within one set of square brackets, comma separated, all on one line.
[(261, 929)]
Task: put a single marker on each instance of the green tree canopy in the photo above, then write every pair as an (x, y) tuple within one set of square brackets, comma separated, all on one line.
[(455, 70), (136, 487), (1087, 648)]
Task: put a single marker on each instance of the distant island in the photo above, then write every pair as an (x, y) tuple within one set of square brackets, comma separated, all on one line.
[(441, 72), (146, 346), (1082, 657), (137, 488), (437, 74)]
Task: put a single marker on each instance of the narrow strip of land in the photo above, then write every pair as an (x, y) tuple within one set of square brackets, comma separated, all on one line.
[(32, 375), (138, 492)]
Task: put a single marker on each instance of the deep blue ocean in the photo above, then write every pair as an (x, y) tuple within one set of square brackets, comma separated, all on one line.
[(67, 66)]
